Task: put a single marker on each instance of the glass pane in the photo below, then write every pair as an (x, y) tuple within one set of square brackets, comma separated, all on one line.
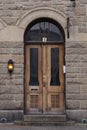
[(42, 26), (55, 67), (34, 66), (35, 27), (55, 33)]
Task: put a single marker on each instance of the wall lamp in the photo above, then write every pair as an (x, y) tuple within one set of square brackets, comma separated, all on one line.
[(73, 3), (10, 66)]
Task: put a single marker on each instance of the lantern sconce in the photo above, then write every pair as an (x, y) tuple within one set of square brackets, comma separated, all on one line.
[(73, 3), (10, 66)]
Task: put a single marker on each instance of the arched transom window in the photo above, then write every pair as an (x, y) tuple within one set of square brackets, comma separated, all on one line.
[(44, 30)]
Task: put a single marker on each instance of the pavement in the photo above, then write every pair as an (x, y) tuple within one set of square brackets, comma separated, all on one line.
[(64, 127)]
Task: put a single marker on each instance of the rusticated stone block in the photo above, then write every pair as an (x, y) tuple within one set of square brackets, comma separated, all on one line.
[(78, 96), (83, 1), (82, 65), (15, 97), (73, 69), (16, 58), (76, 58), (11, 82), (10, 20), (77, 115), (11, 44), (83, 104), (72, 104), (83, 89), (7, 13), (11, 105), (0, 1), (80, 10), (75, 21), (79, 51), (77, 75), (11, 89), (74, 44), (9, 2), (72, 88), (11, 115), (11, 51), (57, 2), (78, 81)]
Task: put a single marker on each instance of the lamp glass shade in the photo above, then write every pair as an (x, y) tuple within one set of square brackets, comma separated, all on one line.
[(10, 67)]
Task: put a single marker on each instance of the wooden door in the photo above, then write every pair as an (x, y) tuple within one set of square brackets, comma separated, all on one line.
[(44, 79), (33, 79), (55, 79)]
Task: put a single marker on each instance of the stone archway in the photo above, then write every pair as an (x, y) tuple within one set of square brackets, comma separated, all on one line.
[(44, 59), (37, 13), (40, 12)]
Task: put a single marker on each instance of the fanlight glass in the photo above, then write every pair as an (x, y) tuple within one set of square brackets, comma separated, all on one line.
[(43, 29)]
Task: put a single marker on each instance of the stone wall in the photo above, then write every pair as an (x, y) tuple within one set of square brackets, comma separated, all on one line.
[(76, 63), (76, 81), (11, 86), (12, 46), (12, 10)]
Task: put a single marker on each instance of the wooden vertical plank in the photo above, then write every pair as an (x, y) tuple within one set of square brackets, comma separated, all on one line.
[(48, 73), (61, 59), (44, 77), (40, 76), (44, 65)]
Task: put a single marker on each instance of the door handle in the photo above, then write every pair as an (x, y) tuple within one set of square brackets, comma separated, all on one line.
[(64, 69)]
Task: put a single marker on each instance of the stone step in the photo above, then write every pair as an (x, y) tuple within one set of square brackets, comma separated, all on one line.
[(66, 123), (44, 119)]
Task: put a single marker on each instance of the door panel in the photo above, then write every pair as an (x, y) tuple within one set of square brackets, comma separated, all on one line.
[(33, 79), (55, 88), (44, 79)]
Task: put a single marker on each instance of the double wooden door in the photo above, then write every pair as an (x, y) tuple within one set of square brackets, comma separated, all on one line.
[(44, 79)]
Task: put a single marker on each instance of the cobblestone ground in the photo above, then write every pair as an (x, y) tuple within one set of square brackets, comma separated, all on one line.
[(14, 127)]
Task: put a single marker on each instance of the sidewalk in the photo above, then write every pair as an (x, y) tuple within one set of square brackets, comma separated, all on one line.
[(20, 127)]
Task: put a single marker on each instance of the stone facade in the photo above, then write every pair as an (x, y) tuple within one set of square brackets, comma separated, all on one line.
[(15, 15)]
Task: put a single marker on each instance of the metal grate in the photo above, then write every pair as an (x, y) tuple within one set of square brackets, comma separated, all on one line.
[(34, 101), (54, 101)]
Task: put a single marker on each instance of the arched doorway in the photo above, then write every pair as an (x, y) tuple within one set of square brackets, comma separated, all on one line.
[(44, 59)]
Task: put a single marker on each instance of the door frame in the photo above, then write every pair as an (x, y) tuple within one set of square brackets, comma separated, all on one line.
[(39, 43)]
